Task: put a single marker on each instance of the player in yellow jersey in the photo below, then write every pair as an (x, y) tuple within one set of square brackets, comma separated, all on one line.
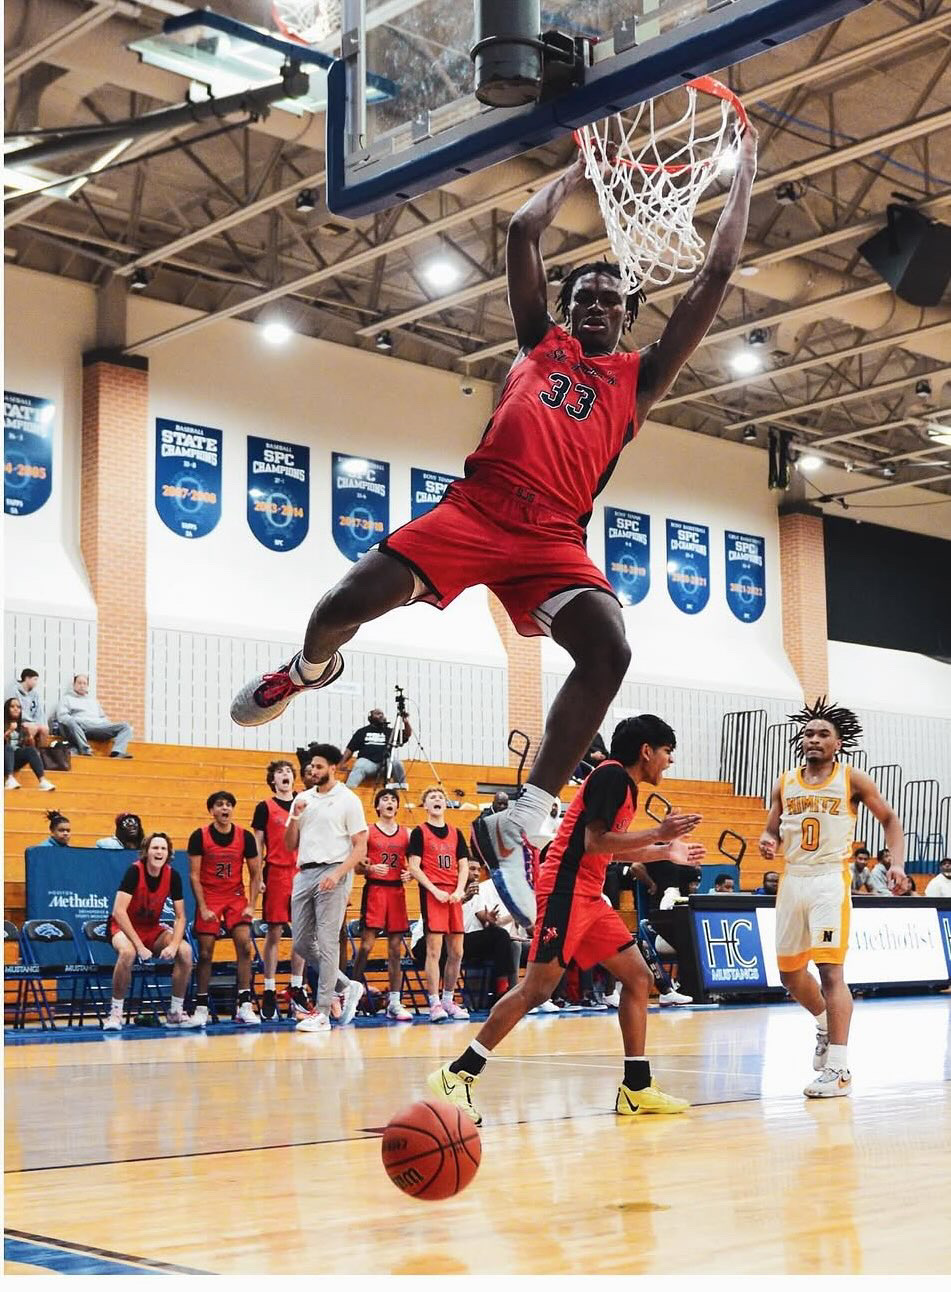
[(812, 819)]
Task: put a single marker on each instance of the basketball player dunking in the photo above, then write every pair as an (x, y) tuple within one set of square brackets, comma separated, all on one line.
[(517, 521), (812, 816)]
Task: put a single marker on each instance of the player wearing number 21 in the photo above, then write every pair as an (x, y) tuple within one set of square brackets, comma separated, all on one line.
[(812, 818)]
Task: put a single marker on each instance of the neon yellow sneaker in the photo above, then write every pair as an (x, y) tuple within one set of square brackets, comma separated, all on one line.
[(456, 1089), (632, 1102)]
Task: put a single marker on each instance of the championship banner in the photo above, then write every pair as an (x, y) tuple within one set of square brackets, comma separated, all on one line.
[(361, 503), (278, 493), (627, 553), (78, 884), (187, 477), (688, 565), (27, 452), (426, 489), (745, 575)]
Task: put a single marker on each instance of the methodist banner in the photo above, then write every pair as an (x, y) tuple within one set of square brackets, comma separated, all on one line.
[(27, 452), (187, 477), (688, 565), (361, 503), (745, 575), (278, 493), (890, 941), (627, 553), (79, 884), (426, 489)]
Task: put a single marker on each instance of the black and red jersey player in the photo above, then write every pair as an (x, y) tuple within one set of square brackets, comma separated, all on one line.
[(439, 861), (383, 904), (217, 854), (517, 521), (280, 867), (575, 921)]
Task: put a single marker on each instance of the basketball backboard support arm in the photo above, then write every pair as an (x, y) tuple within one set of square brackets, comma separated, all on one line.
[(364, 178)]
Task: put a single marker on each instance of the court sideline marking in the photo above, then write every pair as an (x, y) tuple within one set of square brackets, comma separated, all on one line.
[(76, 1258)]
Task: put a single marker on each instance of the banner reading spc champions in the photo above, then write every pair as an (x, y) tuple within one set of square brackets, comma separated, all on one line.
[(187, 477), (426, 489), (688, 565), (745, 575), (361, 503), (278, 493), (627, 553), (27, 452)]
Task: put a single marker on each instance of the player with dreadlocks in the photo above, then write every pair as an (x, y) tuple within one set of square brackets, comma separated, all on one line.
[(516, 523), (812, 817)]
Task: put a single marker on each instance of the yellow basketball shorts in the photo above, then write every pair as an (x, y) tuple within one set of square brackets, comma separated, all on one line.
[(812, 917)]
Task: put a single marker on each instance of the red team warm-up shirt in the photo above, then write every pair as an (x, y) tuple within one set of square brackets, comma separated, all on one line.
[(608, 795)]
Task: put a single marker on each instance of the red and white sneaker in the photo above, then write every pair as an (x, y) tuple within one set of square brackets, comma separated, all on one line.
[(267, 695)]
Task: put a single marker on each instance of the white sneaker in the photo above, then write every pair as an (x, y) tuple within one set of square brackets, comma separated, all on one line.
[(11, 783), (456, 1011), (46, 785), (546, 1007), (614, 1000), (673, 997), (399, 1012), (175, 1018), (438, 1013), (198, 1019), (247, 1016), (113, 1023), (351, 999), (828, 1084), (822, 1049), (316, 1022)]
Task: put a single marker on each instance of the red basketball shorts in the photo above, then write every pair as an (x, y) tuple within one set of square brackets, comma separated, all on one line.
[(583, 929), (276, 903), (148, 936), (229, 910), (521, 549), (383, 908), (440, 917)]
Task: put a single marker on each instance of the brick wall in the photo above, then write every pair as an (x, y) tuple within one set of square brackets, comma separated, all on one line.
[(524, 678), (112, 527), (805, 631)]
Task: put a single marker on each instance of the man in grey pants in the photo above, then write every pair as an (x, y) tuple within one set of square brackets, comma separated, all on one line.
[(328, 828), (81, 716)]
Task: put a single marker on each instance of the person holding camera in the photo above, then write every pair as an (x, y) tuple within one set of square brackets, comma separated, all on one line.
[(370, 746)]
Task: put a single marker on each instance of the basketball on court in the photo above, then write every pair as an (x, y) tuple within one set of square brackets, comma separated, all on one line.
[(431, 1150)]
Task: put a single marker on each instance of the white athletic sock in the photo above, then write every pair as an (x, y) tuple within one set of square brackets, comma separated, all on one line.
[(838, 1058), (481, 1050), (297, 980), (270, 984), (822, 1022), (527, 813), (635, 1058), (303, 671), (117, 1005), (394, 998), (433, 1000), (178, 1004), (447, 998)]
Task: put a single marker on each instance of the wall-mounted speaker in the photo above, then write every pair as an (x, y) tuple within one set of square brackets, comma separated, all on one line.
[(912, 254)]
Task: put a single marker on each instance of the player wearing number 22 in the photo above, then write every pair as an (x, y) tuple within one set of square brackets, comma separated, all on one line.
[(812, 818), (516, 523)]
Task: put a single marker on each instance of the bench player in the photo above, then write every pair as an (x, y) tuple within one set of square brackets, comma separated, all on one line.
[(575, 923), (383, 905), (812, 818), (438, 858), (517, 521)]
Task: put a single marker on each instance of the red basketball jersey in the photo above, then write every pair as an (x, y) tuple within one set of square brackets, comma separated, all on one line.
[(222, 865), (608, 795), (387, 850), (277, 851), (561, 423), (440, 858), (145, 907)]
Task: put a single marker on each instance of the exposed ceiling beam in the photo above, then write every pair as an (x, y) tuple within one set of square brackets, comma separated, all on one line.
[(865, 392), (47, 45)]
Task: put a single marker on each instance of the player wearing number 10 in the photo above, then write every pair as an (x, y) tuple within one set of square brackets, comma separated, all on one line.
[(812, 816), (516, 523)]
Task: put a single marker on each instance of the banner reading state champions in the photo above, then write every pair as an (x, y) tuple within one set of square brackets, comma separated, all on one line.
[(361, 503), (187, 477), (27, 452), (627, 553), (426, 489), (688, 565), (745, 575), (278, 493)]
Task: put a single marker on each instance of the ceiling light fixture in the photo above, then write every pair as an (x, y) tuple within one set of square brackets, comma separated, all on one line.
[(384, 342), (939, 434), (139, 280), (744, 362), (749, 435), (810, 462), (441, 273), (305, 200), (276, 332), (888, 472)]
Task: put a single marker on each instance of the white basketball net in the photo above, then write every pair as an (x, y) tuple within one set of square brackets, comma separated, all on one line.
[(649, 189), (309, 21)]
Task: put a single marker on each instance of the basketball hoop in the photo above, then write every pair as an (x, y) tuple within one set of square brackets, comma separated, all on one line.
[(648, 193), (308, 22)]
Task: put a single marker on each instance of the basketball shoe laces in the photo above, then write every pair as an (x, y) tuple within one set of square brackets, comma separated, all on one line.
[(274, 687)]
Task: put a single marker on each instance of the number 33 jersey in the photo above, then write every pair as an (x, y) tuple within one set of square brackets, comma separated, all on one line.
[(817, 825)]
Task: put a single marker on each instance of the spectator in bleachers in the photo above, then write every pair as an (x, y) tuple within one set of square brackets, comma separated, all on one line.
[(60, 831), (669, 918), (860, 869), (128, 835), (369, 745), (81, 718), (769, 886), (136, 929), (19, 749), (678, 894), (26, 690), (438, 859), (723, 883), (486, 940), (383, 905), (217, 854), (597, 752), (940, 886), (500, 801), (877, 881)]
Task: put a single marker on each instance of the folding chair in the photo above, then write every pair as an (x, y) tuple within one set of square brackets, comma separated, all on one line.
[(476, 980), (145, 988), (30, 992), (412, 979), (223, 985), (53, 947)]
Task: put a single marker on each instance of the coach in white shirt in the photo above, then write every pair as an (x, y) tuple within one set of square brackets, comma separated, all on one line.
[(328, 828)]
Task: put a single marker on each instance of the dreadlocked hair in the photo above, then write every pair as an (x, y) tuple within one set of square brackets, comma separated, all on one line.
[(632, 304), (847, 725)]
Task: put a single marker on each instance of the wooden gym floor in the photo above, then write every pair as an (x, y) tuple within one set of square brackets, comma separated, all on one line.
[(261, 1153)]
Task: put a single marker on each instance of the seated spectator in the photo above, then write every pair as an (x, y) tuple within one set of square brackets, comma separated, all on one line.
[(679, 894), (770, 884), (597, 752), (672, 922), (81, 717), (860, 869), (940, 886), (370, 745), (500, 801), (136, 930), (877, 881), (19, 749), (60, 830), (723, 883), (129, 834), (26, 690), (486, 938)]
